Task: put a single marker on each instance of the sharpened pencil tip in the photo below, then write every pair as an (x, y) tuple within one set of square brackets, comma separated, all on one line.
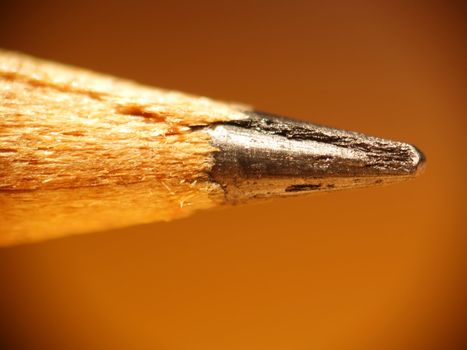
[(419, 161), (265, 156)]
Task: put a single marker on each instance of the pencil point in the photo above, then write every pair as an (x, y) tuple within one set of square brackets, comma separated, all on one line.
[(419, 161), (267, 156)]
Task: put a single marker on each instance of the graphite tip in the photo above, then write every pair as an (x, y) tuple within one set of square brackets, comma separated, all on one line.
[(267, 156)]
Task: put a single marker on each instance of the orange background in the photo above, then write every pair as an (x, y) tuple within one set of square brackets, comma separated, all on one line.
[(377, 268)]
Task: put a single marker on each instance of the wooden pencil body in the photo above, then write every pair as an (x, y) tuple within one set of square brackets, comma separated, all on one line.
[(81, 151)]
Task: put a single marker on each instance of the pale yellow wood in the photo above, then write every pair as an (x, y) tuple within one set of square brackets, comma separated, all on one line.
[(81, 151)]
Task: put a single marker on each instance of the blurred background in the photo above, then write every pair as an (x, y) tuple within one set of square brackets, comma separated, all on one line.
[(379, 268)]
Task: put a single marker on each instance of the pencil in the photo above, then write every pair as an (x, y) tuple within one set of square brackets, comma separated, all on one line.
[(83, 152)]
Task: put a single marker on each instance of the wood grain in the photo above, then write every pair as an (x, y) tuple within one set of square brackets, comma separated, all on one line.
[(81, 151)]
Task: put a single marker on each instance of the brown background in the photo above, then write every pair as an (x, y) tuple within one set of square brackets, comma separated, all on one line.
[(368, 269)]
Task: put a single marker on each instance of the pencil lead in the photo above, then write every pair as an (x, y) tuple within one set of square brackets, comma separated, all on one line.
[(266, 156)]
